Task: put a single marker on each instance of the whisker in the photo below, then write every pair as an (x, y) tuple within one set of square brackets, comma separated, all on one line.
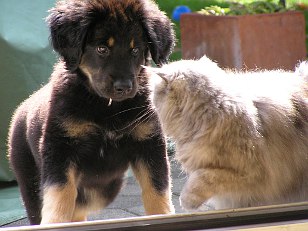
[(126, 110), (146, 114), (141, 121)]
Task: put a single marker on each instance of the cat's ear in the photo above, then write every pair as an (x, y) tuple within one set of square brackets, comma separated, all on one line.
[(157, 71), (204, 58)]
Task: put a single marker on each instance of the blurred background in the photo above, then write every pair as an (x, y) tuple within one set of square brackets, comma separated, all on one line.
[(196, 5)]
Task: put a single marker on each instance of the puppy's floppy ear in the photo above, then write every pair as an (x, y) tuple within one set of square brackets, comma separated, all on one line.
[(160, 33), (68, 28)]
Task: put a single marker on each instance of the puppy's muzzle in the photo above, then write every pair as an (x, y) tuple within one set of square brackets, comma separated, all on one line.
[(122, 88)]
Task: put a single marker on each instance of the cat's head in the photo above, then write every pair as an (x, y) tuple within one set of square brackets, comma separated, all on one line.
[(172, 82), (168, 85), (175, 87)]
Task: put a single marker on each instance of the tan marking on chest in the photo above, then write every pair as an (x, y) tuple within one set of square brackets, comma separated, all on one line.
[(144, 131), (79, 128)]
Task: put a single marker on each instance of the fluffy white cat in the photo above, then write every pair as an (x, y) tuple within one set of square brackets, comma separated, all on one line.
[(242, 137)]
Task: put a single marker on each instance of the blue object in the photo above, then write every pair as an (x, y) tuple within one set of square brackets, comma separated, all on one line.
[(176, 14)]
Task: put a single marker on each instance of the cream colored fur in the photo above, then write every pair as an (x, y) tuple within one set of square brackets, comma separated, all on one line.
[(242, 137)]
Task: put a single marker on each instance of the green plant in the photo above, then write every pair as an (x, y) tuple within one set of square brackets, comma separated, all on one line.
[(236, 8)]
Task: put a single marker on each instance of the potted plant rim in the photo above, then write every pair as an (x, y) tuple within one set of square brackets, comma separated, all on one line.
[(261, 34)]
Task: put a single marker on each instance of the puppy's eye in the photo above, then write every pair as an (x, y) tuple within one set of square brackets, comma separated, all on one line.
[(135, 51), (102, 50)]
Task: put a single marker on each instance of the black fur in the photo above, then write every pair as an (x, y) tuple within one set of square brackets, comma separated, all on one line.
[(69, 124)]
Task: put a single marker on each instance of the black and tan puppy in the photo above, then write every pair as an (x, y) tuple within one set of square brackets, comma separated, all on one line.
[(71, 142)]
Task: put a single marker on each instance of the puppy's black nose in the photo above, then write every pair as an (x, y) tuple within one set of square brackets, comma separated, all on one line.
[(122, 87)]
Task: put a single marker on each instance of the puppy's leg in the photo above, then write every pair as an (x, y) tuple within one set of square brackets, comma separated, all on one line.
[(27, 175), (156, 199), (29, 185), (203, 184), (59, 201), (79, 215)]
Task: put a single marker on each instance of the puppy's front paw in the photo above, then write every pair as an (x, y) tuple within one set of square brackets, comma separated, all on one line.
[(190, 201)]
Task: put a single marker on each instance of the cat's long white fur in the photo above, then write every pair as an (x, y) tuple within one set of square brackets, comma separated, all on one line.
[(242, 137)]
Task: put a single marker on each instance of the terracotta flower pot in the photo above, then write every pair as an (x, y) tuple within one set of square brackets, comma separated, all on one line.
[(263, 40)]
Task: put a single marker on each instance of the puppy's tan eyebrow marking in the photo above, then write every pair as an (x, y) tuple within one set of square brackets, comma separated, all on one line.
[(132, 43), (110, 42)]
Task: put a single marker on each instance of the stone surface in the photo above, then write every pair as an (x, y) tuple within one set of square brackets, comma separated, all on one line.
[(129, 203)]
